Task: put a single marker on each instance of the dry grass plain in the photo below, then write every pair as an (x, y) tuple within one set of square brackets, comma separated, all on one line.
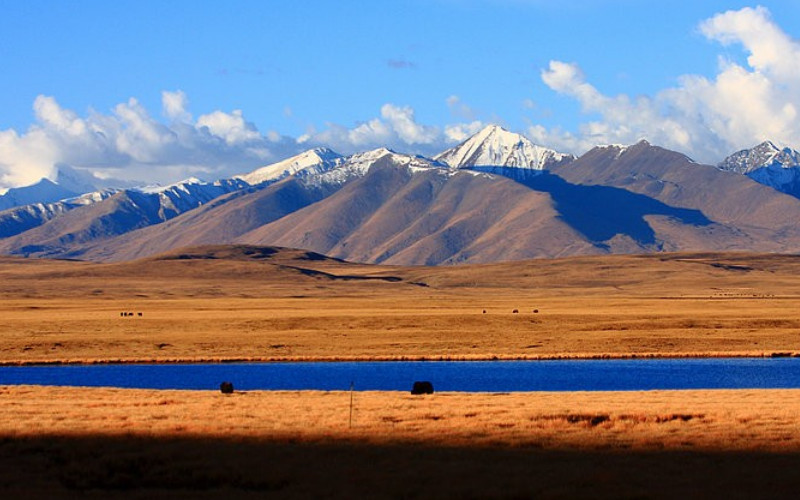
[(246, 303), (224, 304)]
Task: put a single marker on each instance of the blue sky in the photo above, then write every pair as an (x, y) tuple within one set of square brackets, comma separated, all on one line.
[(161, 90)]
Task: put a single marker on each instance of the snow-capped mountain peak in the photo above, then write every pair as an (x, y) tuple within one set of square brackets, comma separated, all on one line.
[(764, 155), (357, 165), (494, 146), (66, 182), (318, 159), (768, 164)]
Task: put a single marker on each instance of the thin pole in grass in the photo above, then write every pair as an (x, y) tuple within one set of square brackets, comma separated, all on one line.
[(352, 384)]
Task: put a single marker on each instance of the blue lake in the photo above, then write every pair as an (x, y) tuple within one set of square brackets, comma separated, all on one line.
[(471, 376)]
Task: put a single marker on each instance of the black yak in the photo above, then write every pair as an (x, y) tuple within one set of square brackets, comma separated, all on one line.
[(422, 388)]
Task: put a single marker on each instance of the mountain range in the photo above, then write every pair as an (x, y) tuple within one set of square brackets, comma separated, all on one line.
[(494, 197)]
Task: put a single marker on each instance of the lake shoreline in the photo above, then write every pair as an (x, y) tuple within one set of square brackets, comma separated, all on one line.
[(401, 358)]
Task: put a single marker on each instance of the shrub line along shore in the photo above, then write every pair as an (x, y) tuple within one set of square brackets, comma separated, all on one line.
[(378, 358)]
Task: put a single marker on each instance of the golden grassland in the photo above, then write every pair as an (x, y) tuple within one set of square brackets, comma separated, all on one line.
[(656, 444), (201, 305), (286, 308), (708, 420)]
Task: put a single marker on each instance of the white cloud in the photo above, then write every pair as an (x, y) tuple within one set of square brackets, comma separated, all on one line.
[(459, 108), (460, 132), (402, 122), (706, 118), (175, 105), (230, 126), (129, 143), (771, 50), (25, 159), (396, 128)]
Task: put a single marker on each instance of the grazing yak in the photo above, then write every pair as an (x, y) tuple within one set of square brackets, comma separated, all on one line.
[(422, 388)]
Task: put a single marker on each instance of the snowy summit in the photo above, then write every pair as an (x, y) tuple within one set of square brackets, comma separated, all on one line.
[(768, 164), (495, 146), (766, 154), (319, 160)]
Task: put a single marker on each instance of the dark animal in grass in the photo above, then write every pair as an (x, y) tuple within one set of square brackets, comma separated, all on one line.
[(226, 388), (422, 388), (515, 311)]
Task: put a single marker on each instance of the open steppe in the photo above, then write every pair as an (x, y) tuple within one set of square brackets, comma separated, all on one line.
[(238, 303), (231, 303)]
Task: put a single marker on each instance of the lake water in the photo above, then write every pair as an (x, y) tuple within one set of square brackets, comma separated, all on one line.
[(468, 376)]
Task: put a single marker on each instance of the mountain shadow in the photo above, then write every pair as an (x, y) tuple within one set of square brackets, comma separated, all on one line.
[(602, 212)]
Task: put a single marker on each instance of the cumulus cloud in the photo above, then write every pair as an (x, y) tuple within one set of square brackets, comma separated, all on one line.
[(396, 128), (175, 105), (229, 126), (462, 131), (706, 118), (402, 121), (129, 143)]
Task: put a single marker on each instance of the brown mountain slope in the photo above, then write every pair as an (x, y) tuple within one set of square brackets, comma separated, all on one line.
[(674, 179), (63, 235), (218, 222), (397, 216)]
